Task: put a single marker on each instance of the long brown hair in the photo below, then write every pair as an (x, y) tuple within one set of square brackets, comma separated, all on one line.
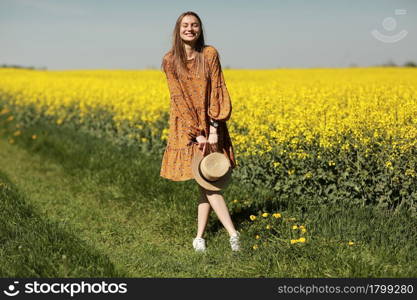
[(177, 57)]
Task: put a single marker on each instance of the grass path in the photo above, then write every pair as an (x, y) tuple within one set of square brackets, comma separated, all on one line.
[(125, 231)]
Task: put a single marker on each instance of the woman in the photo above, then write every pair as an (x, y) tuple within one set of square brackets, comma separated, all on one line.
[(200, 107)]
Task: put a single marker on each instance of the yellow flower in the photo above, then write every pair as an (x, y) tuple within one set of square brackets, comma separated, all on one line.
[(10, 118), (17, 133), (59, 121), (291, 172), (350, 243), (265, 214), (276, 215), (235, 201), (410, 172), (302, 239), (294, 227), (308, 175), (257, 237), (255, 247), (332, 163), (345, 147), (252, 217), (294, 241), (268, 226), (34, 136)]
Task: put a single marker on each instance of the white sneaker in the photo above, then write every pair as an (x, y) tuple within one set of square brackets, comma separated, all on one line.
[(199, 244), (235, 242)]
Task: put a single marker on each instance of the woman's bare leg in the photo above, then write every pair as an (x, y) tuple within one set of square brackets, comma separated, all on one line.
[(204, 209), (216, 201)]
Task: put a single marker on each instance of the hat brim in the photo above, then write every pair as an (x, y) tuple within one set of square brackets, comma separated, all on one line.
[(217, 185)]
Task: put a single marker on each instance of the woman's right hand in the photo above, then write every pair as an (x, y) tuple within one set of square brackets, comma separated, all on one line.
[(201, 140)]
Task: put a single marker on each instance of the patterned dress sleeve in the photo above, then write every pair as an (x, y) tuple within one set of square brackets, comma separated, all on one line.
[(220, 105), (180, 105)]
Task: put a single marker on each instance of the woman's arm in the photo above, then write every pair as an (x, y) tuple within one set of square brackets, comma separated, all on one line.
[(219, 106)]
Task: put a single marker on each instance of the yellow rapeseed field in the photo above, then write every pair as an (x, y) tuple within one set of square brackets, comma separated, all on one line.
[(269, 106)]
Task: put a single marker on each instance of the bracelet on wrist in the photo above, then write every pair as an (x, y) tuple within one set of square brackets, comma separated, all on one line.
[(214, 123)]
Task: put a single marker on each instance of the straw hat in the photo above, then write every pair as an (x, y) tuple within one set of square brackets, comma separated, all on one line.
[(213, 171)]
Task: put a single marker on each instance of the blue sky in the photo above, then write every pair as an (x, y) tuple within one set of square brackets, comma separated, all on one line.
[(262, 34)]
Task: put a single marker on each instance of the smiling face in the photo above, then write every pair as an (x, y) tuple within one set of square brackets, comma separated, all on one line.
[(190, 29)]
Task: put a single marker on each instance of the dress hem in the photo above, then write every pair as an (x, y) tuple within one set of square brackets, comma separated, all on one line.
[(177, 179)]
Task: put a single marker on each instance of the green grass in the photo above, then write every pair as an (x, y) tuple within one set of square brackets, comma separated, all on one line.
[(33, 245), (108, 211)]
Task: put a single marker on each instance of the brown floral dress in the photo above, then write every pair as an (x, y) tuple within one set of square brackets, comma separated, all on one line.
[(193, 102)]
